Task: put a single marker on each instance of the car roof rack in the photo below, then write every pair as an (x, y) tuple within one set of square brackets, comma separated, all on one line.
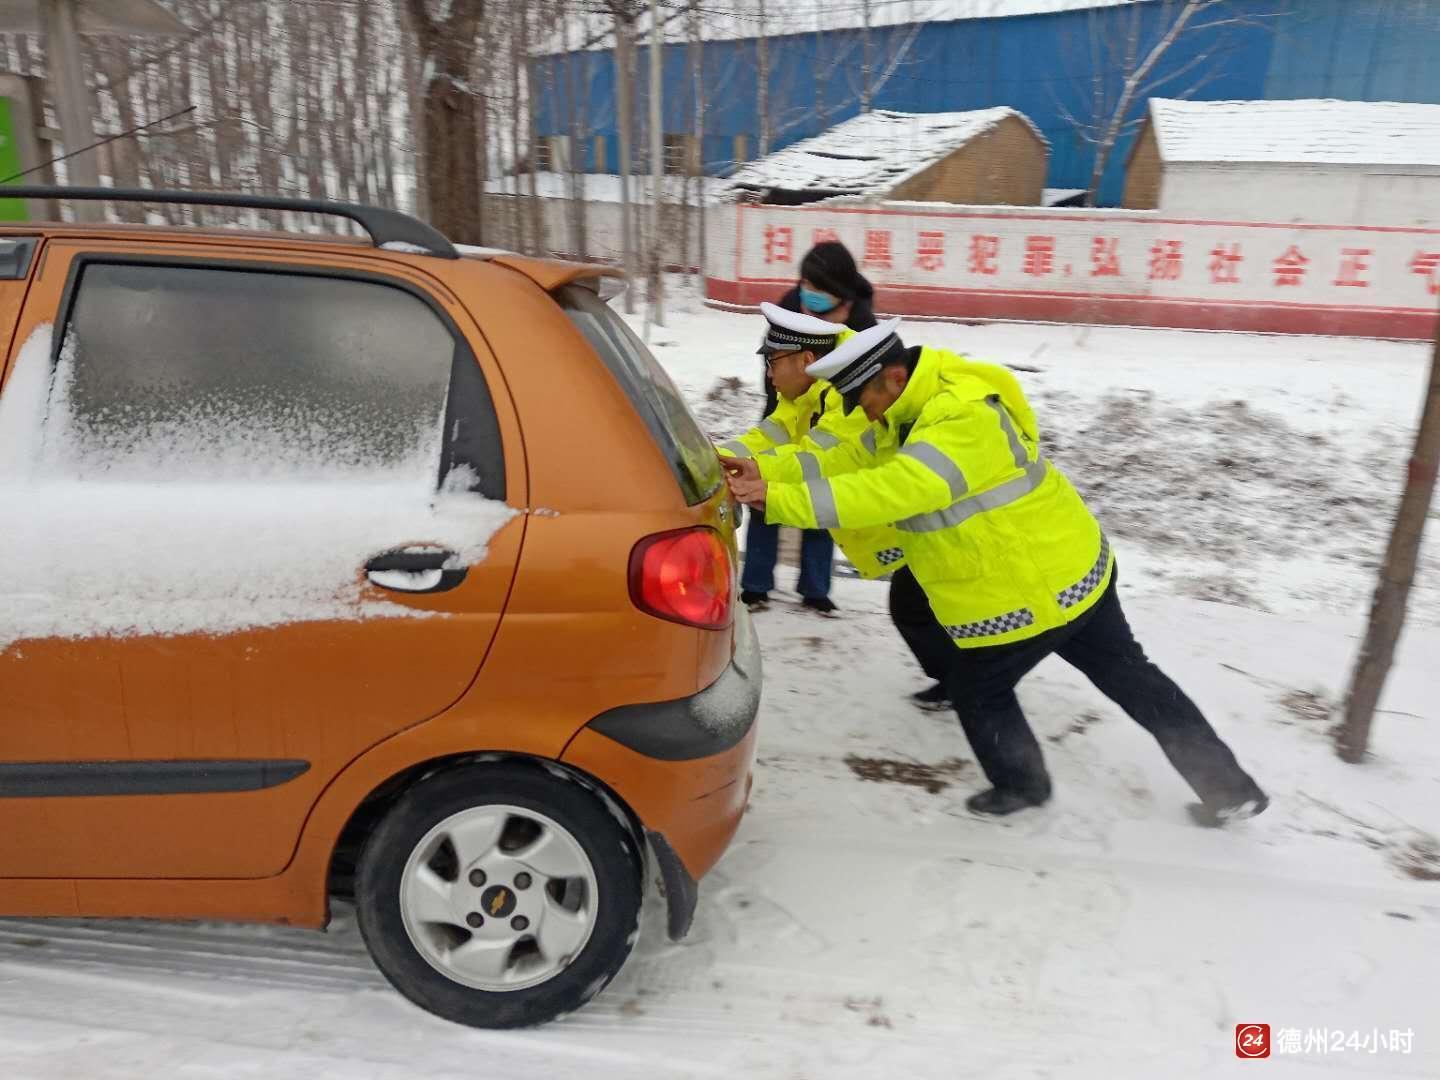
[(384, 226)]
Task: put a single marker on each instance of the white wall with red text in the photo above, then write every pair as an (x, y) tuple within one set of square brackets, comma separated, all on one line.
[(1103, 266)]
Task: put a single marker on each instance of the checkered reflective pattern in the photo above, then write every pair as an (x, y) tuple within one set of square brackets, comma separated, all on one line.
[(1090, 582), (890, 555), (1001, 624)]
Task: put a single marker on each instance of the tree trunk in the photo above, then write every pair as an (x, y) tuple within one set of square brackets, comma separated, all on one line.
[(865, 57), (450, 117), (657, 166), (624, 107), (1387, 613), (577, 98), (762, 85), (537, 210), (517, 124), (698, 83)]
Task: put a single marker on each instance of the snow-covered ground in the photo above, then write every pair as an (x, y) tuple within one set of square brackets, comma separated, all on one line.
[(863, 924)]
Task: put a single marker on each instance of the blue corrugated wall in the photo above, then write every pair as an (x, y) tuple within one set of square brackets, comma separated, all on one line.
[(1047, 66)]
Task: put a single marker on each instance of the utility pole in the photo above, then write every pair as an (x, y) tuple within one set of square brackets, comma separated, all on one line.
[(657, 166)]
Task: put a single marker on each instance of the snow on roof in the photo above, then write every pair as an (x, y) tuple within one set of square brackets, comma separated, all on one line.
[(1313, 131), (871, 153), (740, 19)]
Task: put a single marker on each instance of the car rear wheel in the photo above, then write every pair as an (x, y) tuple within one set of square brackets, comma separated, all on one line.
[(499, 895)]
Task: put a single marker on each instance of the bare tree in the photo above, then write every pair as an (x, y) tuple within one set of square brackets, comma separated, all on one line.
[(655, 311), (625, 14), (1147, 34), (447, 47), (762, 80), (1392, 593)]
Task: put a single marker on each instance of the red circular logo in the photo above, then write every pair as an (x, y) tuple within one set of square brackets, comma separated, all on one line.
[(1252, 1040)]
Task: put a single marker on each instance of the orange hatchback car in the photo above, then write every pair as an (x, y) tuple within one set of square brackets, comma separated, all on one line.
[(369, 568)]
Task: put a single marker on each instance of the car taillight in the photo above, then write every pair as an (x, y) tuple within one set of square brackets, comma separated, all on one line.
[(684, 577)]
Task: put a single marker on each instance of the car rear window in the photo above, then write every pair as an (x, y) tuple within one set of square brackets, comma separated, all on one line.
[(646, 383)]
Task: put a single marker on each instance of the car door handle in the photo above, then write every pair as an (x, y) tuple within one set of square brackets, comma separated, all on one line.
[(415, 571)]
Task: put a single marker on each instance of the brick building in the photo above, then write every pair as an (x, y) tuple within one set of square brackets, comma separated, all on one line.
[(985, 157)]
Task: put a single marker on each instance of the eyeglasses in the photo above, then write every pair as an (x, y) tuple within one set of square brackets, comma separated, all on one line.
[(770, 358)]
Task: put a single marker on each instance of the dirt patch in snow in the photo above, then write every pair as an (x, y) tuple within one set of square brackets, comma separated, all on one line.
[(932, 778), (1081, 725), (1225, 481), (1418, 857), (1310, 707), (731, 407)]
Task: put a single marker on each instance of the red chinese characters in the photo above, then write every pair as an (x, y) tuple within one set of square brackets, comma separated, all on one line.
[(985, 255), (1353, 263), (1105, 256), (1427, 265), (1290, 267), (877, 249), (930, 251), (1039, 256), (1225, 260), (1167, 260), (824, 236), (779, 244)]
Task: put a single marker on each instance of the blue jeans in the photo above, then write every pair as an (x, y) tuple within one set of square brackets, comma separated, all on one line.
[(762, 550)]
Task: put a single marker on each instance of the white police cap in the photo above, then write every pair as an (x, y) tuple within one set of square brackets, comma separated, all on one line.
[(790, 331), (859, 359)]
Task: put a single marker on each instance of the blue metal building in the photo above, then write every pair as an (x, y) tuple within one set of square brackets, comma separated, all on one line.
[(1064, 70)]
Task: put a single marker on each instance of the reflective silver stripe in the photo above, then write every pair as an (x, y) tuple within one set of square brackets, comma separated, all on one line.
[(822, 498), (968, 507), (868, 441), (855, 380), (809, 465), (774, 432), (934, 459), (1016, 446), (824, 439), (736, 447)]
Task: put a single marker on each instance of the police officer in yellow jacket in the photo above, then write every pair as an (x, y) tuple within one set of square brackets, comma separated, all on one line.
[(1013, 563), (809, 415)]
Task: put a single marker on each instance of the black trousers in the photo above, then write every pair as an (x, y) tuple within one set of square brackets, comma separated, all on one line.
[(1100, 645), (911, 614)]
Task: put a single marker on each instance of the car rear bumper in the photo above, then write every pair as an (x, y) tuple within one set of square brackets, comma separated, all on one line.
[(684, 768)]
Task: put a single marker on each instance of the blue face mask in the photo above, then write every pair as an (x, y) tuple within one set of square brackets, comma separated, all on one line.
[(817, 302)]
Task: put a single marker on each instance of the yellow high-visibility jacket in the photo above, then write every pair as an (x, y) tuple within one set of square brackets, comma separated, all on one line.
[(814, 422), (1000, 541)]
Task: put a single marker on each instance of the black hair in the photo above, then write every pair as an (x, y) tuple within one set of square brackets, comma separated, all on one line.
[(908, 359), (829, 266)]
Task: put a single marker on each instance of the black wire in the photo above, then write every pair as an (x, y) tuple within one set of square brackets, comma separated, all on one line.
[(102, 142)]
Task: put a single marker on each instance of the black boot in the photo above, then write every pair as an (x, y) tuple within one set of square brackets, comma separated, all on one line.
[(823, 604), (755, 601), (997, 802), (933, 699), (1215, 817)]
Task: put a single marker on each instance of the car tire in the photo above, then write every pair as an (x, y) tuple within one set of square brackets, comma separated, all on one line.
[(428, 861)]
